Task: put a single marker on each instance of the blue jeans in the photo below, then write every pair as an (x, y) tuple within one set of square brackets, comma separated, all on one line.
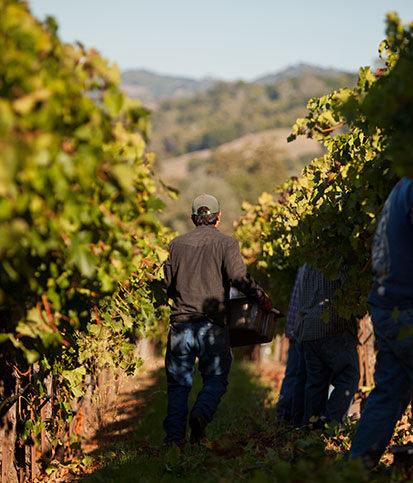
[(330, 360), (394, 384), (291, 401), (186, 341)]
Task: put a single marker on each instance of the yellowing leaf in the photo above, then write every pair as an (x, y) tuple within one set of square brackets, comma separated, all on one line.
[(26, 103)]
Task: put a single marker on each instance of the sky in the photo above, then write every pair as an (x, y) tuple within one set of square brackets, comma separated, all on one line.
[(226, 39)]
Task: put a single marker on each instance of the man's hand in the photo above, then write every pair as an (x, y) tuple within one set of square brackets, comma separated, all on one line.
[(265, 303)]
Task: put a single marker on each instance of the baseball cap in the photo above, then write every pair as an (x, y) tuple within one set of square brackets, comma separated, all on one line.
[(205, 200)]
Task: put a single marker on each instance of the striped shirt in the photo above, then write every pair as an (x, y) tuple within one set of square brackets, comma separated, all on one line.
[(291, 323), (315, 293)]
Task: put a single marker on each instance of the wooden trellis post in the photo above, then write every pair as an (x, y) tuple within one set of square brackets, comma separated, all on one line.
[(366, 352)]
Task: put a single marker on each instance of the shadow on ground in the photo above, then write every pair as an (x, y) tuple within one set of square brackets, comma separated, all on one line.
[(132, 447), (137, 415), (245, 442)]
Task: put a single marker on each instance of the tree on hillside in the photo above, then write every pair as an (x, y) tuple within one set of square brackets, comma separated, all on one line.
[(232, 109), (250, 170)]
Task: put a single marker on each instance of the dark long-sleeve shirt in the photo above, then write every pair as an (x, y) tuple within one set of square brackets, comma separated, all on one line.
[(201, 267)]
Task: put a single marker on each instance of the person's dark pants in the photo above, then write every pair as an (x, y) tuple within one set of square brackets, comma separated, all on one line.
[(291, 401), (330, 360), (394, 384), (187, 341)]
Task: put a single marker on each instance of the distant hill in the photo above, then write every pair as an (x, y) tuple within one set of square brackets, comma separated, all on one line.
[(299, 70), (151, 87), (235, 172), (229, 138), (229, 110), (303, 148)]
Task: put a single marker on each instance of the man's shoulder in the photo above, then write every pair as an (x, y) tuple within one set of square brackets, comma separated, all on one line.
[(223, 239), (227, 238), (181, 239), (204, 235)]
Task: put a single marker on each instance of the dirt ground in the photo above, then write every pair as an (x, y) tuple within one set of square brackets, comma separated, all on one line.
[(121, 403), (134, 397)]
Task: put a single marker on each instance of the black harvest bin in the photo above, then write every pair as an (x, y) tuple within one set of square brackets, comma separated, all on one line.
[(248, 324)]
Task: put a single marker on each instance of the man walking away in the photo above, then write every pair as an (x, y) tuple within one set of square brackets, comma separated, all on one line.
[(391, 308), (201, 268)]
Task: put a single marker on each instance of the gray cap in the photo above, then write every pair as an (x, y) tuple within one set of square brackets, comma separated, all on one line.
[(205, 200)]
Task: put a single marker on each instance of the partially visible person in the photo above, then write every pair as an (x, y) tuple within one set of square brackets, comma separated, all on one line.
[(330, 350), (391, 308), (290, 405), (201, 268)]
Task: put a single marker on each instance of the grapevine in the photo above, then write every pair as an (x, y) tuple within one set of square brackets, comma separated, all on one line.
[(328, 216), (80, 243)]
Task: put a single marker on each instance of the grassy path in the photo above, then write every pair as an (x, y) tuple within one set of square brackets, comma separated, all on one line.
[(245, 442)]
